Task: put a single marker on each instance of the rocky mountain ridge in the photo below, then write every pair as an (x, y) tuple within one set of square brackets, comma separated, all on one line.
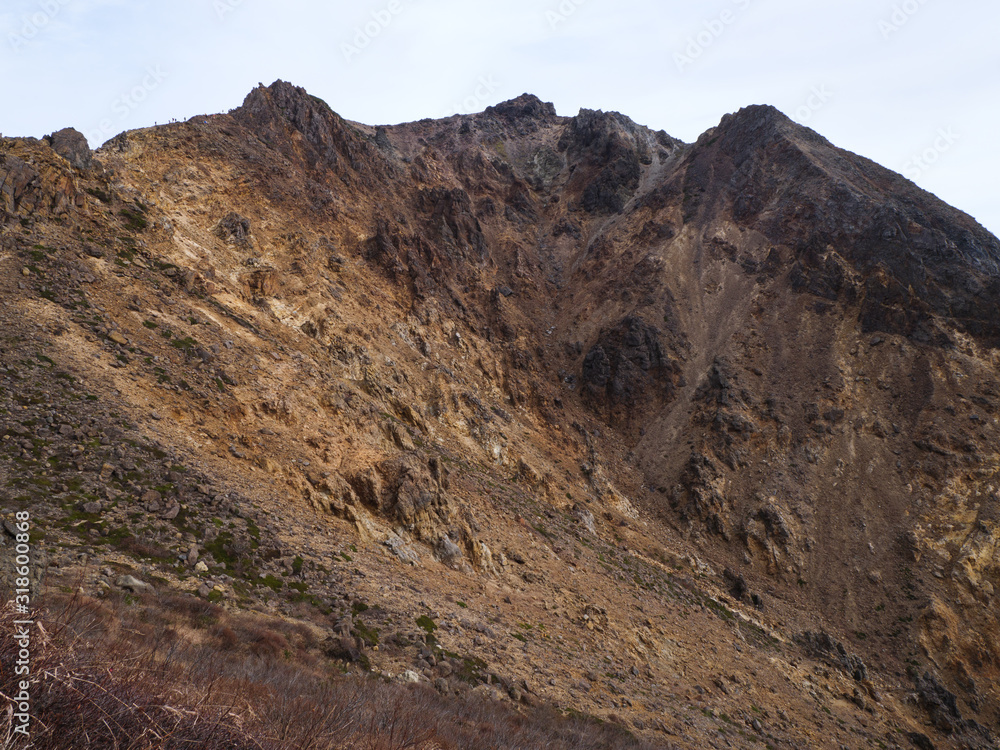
[(657, 432)]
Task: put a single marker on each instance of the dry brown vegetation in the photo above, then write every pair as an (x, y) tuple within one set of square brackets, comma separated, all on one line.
[(179, 672)]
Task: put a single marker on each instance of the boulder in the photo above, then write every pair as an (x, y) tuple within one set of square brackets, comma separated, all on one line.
[(585, 517), (134, 585), (940, 703), (151, 496), (72, 146), (404, 552), (449, 553)]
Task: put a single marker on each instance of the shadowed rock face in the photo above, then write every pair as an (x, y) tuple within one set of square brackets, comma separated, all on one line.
[(910, 256), (615, 148), (628, 367), (72, 146), (18, 184), (518, 358)]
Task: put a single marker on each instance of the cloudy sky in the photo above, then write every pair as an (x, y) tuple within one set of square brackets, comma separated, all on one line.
[(912, 84)]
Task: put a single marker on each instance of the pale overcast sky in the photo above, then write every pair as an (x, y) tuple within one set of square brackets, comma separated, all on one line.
[(911, 84)]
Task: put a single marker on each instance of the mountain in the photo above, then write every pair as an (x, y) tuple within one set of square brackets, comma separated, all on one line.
[(536, 412)]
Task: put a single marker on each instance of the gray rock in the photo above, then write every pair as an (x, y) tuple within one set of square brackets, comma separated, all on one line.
[(151, 496), (449, 553), (134, 585), (72, 146), (403, 551), (585, 517)]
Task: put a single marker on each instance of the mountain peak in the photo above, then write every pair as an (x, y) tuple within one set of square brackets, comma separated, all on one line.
[(755, 124), (286, 97), (274, 112), (757, 113), (524, 106)]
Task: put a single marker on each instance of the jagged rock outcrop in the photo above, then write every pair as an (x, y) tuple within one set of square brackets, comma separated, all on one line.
[(616, 148), (409, 493), (72, 146), (19, 186), (234, 228), (305, 130), (628, 366), (451, 221)]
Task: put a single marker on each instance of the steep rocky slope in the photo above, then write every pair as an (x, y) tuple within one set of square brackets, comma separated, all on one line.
[(698, 438)]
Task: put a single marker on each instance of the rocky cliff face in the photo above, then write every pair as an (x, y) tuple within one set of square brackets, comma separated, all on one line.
[(663, 411)]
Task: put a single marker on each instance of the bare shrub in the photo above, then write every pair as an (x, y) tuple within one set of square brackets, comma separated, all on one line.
[(117, 674), (225, 636), (140, 548), (263, 641)]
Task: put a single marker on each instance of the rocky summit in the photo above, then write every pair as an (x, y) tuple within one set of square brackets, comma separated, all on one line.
[(555, 424)]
